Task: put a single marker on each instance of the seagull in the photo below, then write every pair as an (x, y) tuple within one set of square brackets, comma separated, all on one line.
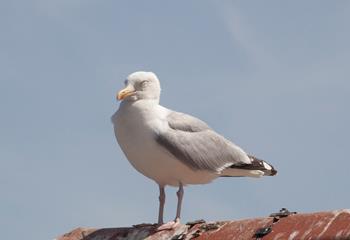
[(173, 148)]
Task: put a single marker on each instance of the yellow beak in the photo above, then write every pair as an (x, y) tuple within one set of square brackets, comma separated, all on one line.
[(126, 92)]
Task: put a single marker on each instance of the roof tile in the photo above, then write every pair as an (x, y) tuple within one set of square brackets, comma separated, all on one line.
[(334, 225)]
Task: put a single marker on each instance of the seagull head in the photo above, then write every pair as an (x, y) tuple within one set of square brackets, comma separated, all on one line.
[(140, 85)]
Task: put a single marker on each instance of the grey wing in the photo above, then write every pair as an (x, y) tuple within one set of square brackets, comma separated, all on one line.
[(185, 122), (192, 142)]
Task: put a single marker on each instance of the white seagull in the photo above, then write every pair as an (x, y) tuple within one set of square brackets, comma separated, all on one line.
[(174, 148)]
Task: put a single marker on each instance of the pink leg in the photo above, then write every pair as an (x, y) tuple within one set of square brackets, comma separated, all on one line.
[(161, 204), (180, 194), (173, 224)]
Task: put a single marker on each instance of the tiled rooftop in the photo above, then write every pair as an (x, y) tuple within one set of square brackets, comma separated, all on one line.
[(283, 225)]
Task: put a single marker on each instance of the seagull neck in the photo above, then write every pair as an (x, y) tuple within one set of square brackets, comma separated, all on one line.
[(148, 102)]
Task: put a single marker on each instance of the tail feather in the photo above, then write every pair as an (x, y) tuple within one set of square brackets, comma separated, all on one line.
[(256, 168)]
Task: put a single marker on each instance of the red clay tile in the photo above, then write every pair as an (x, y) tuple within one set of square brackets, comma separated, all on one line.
[(312, 226)]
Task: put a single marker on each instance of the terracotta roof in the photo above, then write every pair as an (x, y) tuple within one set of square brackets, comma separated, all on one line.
[(283, 225)]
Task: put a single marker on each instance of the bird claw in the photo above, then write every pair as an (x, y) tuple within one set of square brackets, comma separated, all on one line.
[(169, 225)]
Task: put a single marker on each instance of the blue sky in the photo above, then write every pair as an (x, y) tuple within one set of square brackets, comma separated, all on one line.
[(271, 76)]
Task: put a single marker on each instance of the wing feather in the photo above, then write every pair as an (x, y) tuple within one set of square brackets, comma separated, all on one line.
[(192, 142)]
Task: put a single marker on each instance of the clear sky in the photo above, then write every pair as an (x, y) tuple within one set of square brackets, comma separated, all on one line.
[(272, 76)]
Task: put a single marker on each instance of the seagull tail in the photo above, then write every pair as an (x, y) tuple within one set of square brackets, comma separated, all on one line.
[(256, 168)]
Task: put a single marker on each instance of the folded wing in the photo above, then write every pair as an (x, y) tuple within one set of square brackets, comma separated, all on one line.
[(197, 146)]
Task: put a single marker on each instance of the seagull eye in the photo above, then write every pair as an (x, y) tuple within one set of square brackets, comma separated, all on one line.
[(144, 83), (126, 82)]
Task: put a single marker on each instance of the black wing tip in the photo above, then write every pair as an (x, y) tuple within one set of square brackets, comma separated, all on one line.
[(258, 164), (273, 172)]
